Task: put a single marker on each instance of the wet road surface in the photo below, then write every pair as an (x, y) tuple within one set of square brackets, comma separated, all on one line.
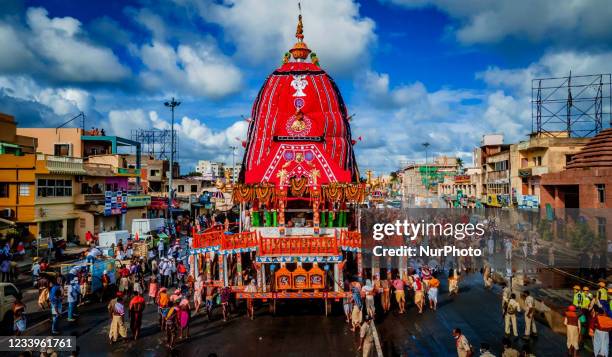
[(301, 329)]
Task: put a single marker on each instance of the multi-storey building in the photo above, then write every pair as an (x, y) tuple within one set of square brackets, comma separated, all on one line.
[(89, 182), (419, 181), (210, 170), (538, 155)]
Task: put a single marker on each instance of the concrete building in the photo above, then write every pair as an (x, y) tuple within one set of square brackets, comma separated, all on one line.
[(587, 179), (99, 186), (17, 175), (419, 181), (493, 158), (463, 190), (210, 170), (540, 154)]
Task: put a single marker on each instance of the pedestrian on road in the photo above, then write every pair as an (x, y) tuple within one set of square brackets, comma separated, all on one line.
[(510, 311), (226, 293), (55, 298), (197, 294), (530, 325), (368, 290), (386, 293), (74, 294), (601, 326), (153, 288), (417, 286), (171, 324), (366, 337), (508, 248), (346, 302), (35, 270), (251, 288), (137, 306), (163, 301), (184, 318), (453, 282), (19, 317), (400, 296), (117, 326), (464, 349), (573, 325), (105, 285), (432, 293)]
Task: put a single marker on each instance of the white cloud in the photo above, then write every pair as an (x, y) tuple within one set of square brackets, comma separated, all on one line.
[(491, 21), (56, 48), (197, 141), (62, 101), (194, 69), (395, 120), (263, 30), (64, 53)]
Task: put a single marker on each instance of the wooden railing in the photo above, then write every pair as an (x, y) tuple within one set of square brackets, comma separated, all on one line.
[(277, 246), (299, 246)]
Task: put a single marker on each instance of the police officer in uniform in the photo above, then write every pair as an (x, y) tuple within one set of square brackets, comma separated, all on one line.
[(577, 301)]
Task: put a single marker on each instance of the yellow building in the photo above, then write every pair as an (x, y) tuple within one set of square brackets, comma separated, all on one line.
[(17, 175), (540, 154)]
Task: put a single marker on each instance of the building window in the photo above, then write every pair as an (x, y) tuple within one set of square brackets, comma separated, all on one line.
[(601, 226), (601, 193), (24, 190), (54, 188), (194, 188), (61, 150), (181, 188), (154, 173), (4, 189)]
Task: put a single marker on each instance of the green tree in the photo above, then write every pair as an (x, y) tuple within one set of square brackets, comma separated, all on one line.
[(460, 164)]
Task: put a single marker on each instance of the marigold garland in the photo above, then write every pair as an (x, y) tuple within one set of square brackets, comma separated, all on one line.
[(298, 186)]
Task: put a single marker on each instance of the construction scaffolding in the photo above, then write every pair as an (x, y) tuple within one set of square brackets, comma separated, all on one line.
[(156, 143), (573, 106)]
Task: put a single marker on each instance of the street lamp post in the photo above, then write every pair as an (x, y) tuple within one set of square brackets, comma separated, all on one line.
[(171, 104)]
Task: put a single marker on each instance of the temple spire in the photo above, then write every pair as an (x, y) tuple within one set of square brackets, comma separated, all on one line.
[(300, 50)]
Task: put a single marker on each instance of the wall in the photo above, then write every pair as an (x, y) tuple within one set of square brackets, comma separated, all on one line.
[(16, 171), (48, 137)]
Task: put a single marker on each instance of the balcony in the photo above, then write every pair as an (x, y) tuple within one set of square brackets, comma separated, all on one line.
[(90, 199), (62, 164), (497, 176)]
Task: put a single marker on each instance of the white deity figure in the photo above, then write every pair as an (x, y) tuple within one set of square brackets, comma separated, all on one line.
[(299, 83)]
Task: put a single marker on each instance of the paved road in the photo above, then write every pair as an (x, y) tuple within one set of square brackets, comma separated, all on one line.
[(301, 329)]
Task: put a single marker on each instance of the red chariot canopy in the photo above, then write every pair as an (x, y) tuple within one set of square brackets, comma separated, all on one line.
[(299, 127)]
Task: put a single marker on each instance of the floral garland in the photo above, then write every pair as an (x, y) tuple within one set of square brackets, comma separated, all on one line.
[(354, 193), (333, 192), (264, 193), (298, 186), (243, 193)]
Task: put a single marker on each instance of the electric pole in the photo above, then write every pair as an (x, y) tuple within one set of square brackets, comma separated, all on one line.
[(171, 104)]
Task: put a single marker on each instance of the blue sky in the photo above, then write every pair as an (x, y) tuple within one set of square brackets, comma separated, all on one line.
[(441, 71)]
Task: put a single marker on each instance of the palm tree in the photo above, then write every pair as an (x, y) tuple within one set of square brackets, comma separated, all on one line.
[(460, 164)]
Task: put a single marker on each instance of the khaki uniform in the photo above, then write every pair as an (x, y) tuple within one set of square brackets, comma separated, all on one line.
[(510, 316), (530, 326), (463, 346), (367, 334)]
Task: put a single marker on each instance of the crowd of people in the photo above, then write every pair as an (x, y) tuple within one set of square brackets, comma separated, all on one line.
[(163, 278), (590, 315)]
